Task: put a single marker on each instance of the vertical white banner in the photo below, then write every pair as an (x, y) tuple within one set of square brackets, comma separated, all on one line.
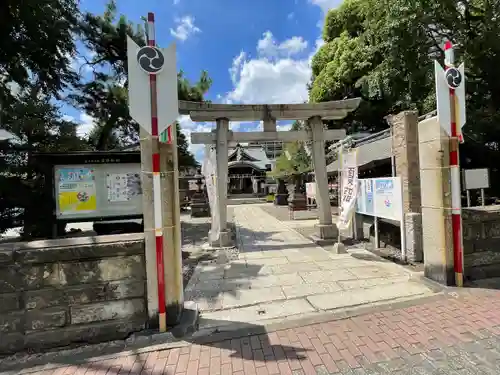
[(208, 170), (349, 189)]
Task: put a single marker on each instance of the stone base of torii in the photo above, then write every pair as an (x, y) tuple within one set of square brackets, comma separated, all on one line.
[(313, 113)]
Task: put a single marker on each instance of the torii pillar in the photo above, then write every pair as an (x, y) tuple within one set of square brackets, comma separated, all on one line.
[(312, 113), (327, 231), (220, 237)]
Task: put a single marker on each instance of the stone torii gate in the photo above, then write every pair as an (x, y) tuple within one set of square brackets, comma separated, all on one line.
[(222, 136)]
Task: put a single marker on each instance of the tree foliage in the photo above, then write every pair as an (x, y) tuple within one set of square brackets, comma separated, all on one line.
[(37, 42), (383, 51), (105, 97), (38, 126), (294, 160), (37, 70), (37, 46)]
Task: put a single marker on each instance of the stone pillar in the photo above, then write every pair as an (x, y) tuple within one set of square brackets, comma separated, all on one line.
[(406, 157), (436, 202), (172, 250), (149, 234), (405, 148), (222, 238), (326, 229)]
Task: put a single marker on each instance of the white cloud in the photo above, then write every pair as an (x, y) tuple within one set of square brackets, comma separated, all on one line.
[(14, 88), (283, 127), (290, 16), (275, 76), (184, 28), (188, 127), (326, 5), (236, 65), (176, 2), (86, 123), (268, 46)]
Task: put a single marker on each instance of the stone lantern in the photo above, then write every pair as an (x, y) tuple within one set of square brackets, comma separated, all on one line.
[(199, 201)]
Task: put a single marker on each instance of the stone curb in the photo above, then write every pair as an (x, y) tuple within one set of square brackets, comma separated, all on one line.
[(138, 343)]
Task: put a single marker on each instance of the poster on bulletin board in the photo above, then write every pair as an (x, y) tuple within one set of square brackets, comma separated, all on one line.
[(76, 191), (380, 197)]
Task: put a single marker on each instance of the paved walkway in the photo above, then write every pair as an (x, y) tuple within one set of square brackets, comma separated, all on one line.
[(458, 334), (283, 275)]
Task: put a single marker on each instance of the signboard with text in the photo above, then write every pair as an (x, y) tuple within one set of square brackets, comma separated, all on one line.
[(380, 197)]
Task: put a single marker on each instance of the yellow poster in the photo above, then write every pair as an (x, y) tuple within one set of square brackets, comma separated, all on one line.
[(77, 191)]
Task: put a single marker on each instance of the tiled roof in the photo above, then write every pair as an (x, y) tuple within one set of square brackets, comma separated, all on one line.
[(376, 148)]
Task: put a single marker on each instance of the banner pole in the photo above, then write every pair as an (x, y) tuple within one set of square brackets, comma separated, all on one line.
[(160, 268), (456, 196), (340, 194)]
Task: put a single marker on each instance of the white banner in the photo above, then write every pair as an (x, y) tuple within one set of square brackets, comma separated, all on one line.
[(208, 170), (349, 192), (311, 190)]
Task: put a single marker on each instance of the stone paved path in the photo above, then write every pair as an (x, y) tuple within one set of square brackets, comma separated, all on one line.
[(457, 334), (281, 274)]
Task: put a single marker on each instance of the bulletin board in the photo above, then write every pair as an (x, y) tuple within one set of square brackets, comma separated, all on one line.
[(88, 191)]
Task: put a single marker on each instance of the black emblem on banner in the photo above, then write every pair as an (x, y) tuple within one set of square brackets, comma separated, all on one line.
[(453, 77), (150, 59)]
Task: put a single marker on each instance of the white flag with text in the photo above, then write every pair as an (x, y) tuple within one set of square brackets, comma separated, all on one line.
[(349, 193)]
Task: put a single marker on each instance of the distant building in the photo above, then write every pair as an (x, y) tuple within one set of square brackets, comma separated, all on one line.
[(247, 166), (247, 169)]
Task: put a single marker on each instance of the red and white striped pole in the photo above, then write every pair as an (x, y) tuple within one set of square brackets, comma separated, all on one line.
[(158, 221), (456, 197)]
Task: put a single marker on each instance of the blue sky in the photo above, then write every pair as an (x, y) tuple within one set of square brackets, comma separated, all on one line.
[(255, 51)]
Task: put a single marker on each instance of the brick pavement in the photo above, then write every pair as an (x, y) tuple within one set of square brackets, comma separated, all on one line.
[(454, 335)]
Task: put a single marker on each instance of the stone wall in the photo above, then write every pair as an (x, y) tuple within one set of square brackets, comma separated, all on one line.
[(481, 227), (78, 290)]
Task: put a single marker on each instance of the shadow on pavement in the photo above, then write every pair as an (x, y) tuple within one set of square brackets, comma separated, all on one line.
[(123, 359), (491, 283)]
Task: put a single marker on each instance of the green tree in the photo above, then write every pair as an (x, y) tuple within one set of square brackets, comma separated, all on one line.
[(383, 51), (38, 126), (36, 42), (292, 162), (36, 49), (105, 97)]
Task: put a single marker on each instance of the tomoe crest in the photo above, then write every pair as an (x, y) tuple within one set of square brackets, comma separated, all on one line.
[(453, 77), (150, 59)]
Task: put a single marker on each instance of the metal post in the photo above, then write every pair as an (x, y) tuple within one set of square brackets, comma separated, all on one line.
[(482, 198), (468, 197), (456, 216)]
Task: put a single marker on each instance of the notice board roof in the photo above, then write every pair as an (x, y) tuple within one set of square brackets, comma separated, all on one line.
[(89, 157)]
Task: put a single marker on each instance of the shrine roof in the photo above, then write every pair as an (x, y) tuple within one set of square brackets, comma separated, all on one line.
[(254, 155)]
